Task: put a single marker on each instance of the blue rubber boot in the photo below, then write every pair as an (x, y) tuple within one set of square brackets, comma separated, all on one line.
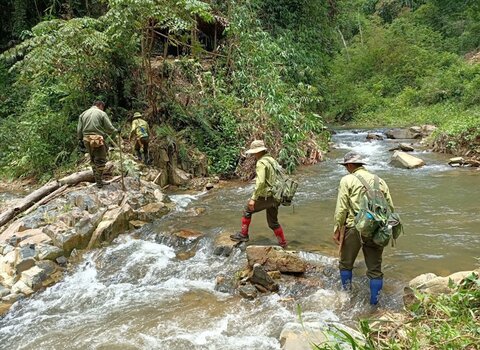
[(376, 285), (346, 278)]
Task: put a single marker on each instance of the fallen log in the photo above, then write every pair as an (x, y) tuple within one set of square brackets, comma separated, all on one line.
[(39, 194), (46, 199), (28, 201)]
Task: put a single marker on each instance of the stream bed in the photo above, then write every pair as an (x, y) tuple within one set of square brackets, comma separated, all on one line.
[(139, 294)]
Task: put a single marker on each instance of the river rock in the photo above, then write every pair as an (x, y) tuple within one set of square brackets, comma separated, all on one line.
[(372, 136), (260, 277), (21, 288), (4, 291), (48, 252), (248, 291), (113, 223), (151, 211), (403, 160), (403, 134), (432, 284), (33, 277), (274, 258), (136, 224), (190, 235), (25, 258), (180, 177), (456, 161), (225, 284), (12, 297), (224, 245)]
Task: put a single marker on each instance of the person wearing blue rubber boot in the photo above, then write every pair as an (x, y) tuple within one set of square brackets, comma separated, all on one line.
[(350, 193)]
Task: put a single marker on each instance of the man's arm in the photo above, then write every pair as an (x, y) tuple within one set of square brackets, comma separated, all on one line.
[(107, 124)]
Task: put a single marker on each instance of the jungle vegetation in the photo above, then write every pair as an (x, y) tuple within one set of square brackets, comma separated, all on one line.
[(215, 74)]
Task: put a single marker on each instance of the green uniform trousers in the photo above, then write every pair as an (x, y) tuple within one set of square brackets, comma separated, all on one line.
[(98, 159), (371, 251), (270, 205)]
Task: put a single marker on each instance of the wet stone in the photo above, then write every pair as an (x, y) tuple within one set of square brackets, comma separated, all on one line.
[(224, 245), (49, 252), (225, 284), (62, 261), (4, 291), (261, 277), (248, 291), (33, 277), (13, 297)]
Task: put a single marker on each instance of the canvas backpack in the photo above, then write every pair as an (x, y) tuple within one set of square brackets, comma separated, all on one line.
[(375, 219), (283, 187)]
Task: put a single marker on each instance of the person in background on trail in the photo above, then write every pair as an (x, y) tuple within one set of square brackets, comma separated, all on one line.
[(350, 193), (262, 198), (140, 132), (93, 127)]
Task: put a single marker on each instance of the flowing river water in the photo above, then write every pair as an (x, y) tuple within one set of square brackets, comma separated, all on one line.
[(140, 293)]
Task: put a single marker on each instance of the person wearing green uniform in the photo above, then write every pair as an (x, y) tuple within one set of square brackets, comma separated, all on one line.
[(140, 133), (350, 193), (92, 129), (262, 198)]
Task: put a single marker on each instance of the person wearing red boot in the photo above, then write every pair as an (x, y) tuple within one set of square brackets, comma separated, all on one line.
[(262, 197)]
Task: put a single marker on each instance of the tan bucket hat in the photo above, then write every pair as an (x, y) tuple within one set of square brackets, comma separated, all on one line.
[(352, 158), (137, 115), (256, 146)]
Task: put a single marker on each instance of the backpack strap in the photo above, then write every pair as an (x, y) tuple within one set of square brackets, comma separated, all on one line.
[(365, 184), (273, 166)]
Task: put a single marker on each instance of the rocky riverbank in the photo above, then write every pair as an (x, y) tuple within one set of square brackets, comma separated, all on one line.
[(36, 249)]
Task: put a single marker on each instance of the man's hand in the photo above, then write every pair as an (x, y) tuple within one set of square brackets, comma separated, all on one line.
[(251, 205), (336, 236)]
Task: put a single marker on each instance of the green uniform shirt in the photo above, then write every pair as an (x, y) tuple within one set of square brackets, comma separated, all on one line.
[(265, 177), (349, 194), (94, 121), (140, 128)]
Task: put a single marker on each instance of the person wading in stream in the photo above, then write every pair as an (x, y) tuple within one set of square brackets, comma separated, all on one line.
[(262, 198), (350, 193), (140, 133), (93, 127)]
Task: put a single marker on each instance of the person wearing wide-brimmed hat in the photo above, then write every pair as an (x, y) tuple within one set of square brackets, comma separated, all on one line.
[(262, 198), (141, 134), (350, 193)]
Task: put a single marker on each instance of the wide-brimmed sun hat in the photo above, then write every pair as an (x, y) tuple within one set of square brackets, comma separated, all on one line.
[(256, 146), (137, 115), (352, 158)]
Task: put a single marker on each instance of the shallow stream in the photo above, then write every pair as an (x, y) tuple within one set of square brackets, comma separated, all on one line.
[(142, 294)]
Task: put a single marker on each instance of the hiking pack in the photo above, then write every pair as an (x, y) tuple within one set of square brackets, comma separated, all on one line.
[(284, 187), (375, 219)]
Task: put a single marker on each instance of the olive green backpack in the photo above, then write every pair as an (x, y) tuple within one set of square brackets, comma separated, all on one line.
[(375, 219), (284, 187)]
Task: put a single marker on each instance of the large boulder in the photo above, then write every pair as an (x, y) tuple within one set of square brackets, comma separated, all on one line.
[(180, 177), (404, 160), (275, 259), (151, 211)]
